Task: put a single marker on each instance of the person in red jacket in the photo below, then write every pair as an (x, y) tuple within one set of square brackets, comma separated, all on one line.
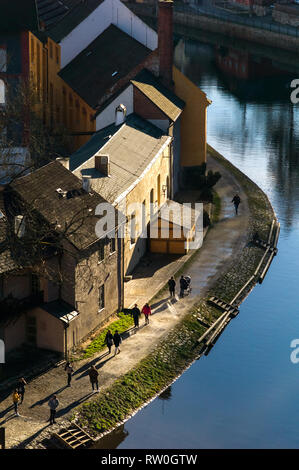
[(147, 312)]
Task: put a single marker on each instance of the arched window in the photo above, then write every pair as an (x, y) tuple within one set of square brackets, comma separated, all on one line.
[(2, 92)]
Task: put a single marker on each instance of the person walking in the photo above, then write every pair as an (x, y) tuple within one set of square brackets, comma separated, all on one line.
[(69, 370), (109, 340), (117, 340), (183, 286), (147, 312), (136, 315), (21, 388), (171, 285), (93, 375), (236, 200), (16, 399), (53, 405)]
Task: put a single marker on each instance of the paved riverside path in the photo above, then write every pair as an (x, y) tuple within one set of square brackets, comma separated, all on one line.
[(221, 243)]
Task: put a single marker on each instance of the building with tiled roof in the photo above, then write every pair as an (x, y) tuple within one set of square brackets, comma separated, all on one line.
[(53, 265), (100, 67), (129, 163)]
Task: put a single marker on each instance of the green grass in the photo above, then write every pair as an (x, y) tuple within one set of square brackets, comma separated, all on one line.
[(217, 207), (146, 380), (122, 324)]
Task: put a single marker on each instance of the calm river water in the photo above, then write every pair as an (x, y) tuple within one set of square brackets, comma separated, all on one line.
[(244, 394)]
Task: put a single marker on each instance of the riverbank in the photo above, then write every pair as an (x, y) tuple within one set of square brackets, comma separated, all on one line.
[(156, 355), (177, 351)]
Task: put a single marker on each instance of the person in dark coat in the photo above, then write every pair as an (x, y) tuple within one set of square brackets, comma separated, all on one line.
[(53, 404), (136, 315), (93, 375), (21, 388), (109, 340), (236, 200), (69, 370), (183, 285), (171, 285), (117, 340)]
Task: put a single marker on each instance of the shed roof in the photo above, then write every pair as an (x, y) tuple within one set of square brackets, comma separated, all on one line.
[(162, 97), (132, 147), (108, 59)]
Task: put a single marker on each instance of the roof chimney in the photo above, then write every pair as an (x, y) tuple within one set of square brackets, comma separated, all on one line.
[(86, 183), (165, 41), (65, 161), (120, 114), (102, 164)]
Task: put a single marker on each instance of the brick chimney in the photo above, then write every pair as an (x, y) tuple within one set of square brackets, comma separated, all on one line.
[(165, 41), (102, 164)]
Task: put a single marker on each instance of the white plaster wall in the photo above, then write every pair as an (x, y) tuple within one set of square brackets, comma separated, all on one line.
[(128, 22), (108, 12), (107, 116)]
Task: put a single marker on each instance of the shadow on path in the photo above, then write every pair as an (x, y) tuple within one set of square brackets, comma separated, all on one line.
[(46, 399)]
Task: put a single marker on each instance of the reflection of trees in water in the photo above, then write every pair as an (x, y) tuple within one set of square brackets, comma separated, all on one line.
[(112, 440), (255, 128), (166, 395)]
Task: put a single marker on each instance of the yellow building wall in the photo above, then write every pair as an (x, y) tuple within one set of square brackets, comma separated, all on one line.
[(140, 193), (60, 107), (193, 120)]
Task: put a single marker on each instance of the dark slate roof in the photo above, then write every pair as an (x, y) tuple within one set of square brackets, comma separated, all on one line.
[(60, 310), (90, 74), (162, 97), (131, 148), (38, 191), (18, 15), (52, 11), (7, 263), (79, 11)]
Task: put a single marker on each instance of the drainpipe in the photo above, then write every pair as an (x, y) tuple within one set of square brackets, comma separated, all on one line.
[(66, 325)]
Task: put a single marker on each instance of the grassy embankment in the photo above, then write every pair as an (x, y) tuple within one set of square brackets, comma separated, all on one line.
[(179, 347)]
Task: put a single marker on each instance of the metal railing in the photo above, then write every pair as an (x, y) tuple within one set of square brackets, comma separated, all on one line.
[(255, 22)]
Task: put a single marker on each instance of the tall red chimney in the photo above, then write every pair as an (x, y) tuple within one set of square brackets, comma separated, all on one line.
[(165, 41)]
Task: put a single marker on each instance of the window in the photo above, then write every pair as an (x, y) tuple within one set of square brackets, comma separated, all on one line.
[(133, 228), (1, 288), (2, 92), (32, 50), (152, 203), (101, 251), (35, 284), (101, 297), (112, 244)]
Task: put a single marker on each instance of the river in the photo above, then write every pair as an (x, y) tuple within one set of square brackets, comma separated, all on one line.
[(244, 394)]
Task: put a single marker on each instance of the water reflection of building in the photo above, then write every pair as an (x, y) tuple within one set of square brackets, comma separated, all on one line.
[(112, 440), (242, 64)]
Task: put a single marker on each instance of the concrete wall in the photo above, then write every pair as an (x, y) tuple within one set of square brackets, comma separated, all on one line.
[(107, 116), (59, 105), (193, 120), (14, 334), (108, 12), (139, 194), (90, 275)]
